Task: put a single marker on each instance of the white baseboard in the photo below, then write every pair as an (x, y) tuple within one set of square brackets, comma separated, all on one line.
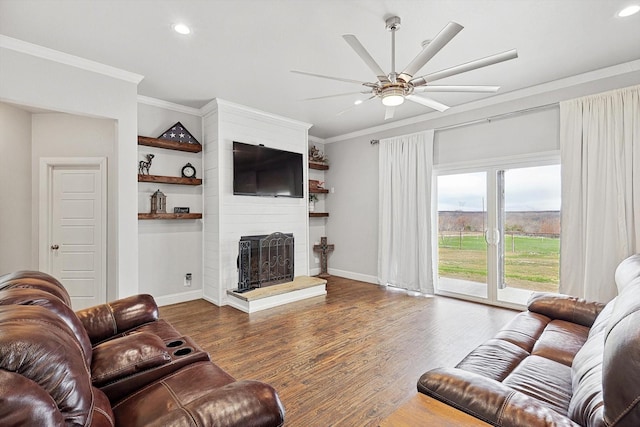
[(314, 271), (179, 297), (354, 276)]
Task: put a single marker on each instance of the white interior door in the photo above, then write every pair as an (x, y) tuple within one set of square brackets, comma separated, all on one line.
[(76, 240)]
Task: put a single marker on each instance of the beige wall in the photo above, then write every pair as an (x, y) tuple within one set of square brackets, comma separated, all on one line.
[(68, 135), (53, 81), (15, 190)]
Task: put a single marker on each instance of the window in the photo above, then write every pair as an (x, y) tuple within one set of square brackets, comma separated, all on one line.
[(499, 231)]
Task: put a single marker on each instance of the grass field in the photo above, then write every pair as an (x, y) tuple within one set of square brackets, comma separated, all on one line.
[(530, 262)]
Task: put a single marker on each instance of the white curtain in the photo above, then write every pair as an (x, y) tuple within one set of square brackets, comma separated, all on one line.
[(404, 220), (600, 151)]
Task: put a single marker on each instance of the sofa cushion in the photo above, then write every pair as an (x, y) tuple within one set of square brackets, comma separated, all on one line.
[(35, 280), (586, 406), (627, 272), (126, 356), (565, 307), (23, 296), (621, 359), (488, 400), (543, 379), (524, 330), (494, 359), (106, 321), (201, 394), (560, 341), (37, 344)]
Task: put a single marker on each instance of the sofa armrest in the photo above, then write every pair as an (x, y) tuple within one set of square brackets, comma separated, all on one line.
[(565, 307), (487, 399), (108, 320), (125, 356)]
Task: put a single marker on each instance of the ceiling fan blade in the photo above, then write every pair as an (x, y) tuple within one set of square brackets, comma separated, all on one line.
[(388, 113), (304, 73), (334, 96), (463, 68), (457, 88), (429, 51), (354, 106), (366, 57), (428, 102)]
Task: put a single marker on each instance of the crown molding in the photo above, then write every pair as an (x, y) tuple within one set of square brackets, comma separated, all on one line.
[(316, 140), (155, 102), (217, 102), (590, 76), (67, 59)]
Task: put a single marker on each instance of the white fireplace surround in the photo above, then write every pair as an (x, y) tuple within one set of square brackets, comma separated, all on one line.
[(226, 216)]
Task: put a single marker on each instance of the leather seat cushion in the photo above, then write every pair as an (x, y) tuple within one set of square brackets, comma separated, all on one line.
[(560, 341), (200, 394), (494, 359), (543, 379), (524, 330)]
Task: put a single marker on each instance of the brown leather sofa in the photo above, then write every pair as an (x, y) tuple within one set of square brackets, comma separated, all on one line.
[(564, 362), (115, 364)]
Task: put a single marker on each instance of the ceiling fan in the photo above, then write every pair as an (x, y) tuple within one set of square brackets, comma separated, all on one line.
[(394, 88)]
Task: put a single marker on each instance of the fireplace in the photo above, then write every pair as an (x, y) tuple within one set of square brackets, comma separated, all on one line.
[(265, 260)]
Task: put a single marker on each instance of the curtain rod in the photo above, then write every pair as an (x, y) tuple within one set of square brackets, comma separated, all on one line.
[(488, 119)]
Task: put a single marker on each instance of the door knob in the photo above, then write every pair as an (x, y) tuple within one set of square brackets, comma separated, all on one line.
[(55, 247)]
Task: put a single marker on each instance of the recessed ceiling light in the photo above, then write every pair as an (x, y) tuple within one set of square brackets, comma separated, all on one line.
[(629, 10), (358, 102), (181, 29)]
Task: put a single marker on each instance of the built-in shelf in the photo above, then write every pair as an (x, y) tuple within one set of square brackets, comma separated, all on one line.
[(318, 166), (318, 214), (169, 215), (318, 190), (171, 145), (169, 179)]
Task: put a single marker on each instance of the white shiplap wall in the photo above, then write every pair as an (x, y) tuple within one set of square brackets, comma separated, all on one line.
[(228, 217)]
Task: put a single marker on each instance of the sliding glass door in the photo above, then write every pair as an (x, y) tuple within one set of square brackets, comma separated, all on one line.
[(498, 232), (462, 222)]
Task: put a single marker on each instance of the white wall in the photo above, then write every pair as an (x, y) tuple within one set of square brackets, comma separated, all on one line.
[(169, 249), (67, 135), (354, 162), (16, 252), (228, 217), (533, 132), (38, 77)]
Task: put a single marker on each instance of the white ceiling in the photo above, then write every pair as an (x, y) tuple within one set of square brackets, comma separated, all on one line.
[(242, 50)]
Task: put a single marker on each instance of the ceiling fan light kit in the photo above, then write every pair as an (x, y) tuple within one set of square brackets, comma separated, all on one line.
[(394, 88)]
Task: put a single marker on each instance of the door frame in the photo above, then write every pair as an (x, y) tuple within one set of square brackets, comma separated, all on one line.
[(489, 166), (45, 208)]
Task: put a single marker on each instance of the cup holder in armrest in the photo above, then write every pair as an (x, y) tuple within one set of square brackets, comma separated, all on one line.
[(182, 351)]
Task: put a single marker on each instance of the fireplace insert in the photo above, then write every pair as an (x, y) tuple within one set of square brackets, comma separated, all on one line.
[(265, 260)]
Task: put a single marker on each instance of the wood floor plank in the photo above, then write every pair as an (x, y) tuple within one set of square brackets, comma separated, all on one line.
[(350, 358)]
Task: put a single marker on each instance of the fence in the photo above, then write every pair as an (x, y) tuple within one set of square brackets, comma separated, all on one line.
[(515, 241)]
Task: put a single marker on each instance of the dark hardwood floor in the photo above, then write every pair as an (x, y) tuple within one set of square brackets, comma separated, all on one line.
[(349, 358)]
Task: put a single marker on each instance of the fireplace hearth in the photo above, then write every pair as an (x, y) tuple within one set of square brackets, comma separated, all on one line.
[(265, 260)]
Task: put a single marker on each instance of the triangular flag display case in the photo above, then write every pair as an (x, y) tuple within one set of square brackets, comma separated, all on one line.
[(178, 133)]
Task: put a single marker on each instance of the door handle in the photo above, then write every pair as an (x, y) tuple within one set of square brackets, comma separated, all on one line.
[(55, 247), (492, 236)]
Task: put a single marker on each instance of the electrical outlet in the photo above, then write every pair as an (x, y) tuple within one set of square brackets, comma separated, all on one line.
[(187, 280), (316, 260)]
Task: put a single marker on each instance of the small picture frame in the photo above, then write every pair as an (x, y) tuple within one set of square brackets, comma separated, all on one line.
[(180, 210)]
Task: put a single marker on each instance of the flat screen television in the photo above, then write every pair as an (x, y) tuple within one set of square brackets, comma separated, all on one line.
[(262, 171)]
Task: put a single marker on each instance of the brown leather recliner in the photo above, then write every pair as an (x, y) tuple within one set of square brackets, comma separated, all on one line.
[(564, 362), (113, 364)]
